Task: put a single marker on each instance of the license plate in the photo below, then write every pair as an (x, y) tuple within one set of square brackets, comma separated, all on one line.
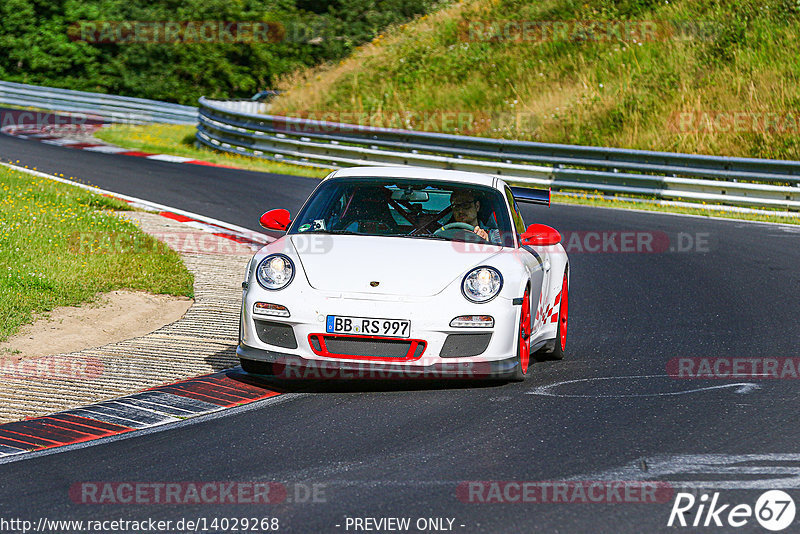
[(367, 326)]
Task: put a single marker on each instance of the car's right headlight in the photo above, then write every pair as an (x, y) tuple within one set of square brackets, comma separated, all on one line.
[(276, 271), (482, 284)]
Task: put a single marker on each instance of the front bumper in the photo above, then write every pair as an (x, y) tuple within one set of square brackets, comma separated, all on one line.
[(430, 324), (291, 367)]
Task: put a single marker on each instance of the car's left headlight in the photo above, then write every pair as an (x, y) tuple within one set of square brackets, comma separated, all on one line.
[(276, 271), (482, 284)]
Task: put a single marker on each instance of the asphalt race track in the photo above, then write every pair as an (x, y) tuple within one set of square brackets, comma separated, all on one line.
[(407, 450)]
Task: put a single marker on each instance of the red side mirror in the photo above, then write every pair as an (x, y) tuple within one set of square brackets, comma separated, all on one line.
[(276, 220), (540, 235)]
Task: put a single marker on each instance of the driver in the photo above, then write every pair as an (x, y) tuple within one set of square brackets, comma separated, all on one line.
[(465, 210)]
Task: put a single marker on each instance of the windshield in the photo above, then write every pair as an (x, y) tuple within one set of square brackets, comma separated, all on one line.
[(407, 208)]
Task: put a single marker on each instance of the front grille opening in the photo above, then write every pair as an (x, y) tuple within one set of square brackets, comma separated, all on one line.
[(344, 346)]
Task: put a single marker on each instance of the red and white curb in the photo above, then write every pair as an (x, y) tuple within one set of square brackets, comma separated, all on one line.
[(153, 407), (61, 137)]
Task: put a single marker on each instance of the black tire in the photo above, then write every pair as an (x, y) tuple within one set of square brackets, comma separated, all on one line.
[(545, 353), (558, 352), (255, 367), (518, 375)]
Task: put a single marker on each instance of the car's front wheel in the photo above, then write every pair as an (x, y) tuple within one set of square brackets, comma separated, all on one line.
[(523, 339)]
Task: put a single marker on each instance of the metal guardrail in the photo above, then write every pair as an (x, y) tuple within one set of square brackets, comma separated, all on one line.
[(673, 176), (246, 106), (114, 108)]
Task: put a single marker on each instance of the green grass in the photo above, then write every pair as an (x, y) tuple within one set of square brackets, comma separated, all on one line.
[(59, 246), (614, 92), (179, 140)]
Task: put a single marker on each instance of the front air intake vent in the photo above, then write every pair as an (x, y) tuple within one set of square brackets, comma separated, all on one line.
[(465, 345), (278, 334)]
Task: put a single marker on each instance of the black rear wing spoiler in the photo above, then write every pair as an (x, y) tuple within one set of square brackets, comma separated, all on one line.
[(529, 195)]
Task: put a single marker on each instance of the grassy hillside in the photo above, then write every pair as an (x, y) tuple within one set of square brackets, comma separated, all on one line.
[(701, 76)]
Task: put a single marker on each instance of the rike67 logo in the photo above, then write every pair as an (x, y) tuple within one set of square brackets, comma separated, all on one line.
[(774, 510)]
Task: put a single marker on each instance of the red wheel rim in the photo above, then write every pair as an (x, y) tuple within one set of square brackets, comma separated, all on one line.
[(525, 332), (563, 313)]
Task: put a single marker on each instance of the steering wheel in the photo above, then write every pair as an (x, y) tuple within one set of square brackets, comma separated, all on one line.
[(454, 226)]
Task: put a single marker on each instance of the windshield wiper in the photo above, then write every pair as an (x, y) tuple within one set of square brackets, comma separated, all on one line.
[(331, 232), (421, 236), (349, 232)]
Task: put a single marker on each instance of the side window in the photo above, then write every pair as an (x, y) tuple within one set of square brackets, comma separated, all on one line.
[(519, 224)]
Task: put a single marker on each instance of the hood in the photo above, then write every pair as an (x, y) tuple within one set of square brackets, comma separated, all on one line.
[(401, 266)]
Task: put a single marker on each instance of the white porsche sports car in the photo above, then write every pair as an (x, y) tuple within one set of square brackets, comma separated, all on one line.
[(392, 272)]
